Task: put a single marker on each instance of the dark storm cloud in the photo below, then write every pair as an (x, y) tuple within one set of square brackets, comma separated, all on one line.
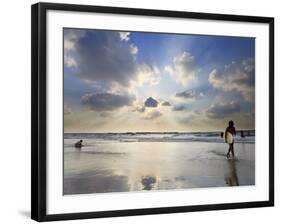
[(150, 102), (178, 108), (221, 110), (166, 103), (100, 56), (106, 101)]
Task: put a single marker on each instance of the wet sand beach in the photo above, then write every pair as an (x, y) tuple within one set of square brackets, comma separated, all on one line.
[(142, 166)]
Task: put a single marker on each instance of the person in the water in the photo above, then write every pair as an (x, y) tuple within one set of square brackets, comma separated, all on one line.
[(232, 131), (79, 144)]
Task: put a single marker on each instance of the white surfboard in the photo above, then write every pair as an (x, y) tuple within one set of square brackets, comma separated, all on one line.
[(229, 138)]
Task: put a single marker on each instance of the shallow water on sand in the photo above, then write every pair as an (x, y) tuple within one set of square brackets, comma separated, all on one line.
[(140, 166)]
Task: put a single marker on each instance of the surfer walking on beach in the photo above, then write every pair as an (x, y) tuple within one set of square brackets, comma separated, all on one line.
[(229, 138)]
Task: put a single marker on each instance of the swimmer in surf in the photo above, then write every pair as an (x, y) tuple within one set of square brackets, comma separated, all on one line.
[(79, 144)]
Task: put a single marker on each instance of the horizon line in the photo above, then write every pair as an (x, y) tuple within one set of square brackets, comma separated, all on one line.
[(136, 132)]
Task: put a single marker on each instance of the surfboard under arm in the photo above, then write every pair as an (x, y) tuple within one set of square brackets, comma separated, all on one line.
[(229, 138)]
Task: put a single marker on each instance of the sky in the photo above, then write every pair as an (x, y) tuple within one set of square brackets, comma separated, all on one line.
[(138, 81)]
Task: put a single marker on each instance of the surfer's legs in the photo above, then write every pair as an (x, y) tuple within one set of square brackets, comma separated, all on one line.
[(230, 150), (227, 155)]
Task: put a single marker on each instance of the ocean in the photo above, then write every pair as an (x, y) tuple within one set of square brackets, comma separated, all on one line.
[(157, 137)]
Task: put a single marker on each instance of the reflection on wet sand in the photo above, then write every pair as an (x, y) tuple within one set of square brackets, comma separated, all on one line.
[(95, 182), (231, 178), (143, 166)]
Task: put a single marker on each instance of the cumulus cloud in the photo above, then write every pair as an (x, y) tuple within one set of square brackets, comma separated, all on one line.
[(71, 37), (125, 36), (150, 102), (178, 108), (166, 103), (152, 115), (105, 114), (221, 110), (187, 119), (238, 77), (106, 101), (139, 108), (184, 68), (104, 56), (189, 94), (134, 49), (148, 74)]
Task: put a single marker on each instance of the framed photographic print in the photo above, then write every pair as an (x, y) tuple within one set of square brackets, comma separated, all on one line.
[(139, 111)]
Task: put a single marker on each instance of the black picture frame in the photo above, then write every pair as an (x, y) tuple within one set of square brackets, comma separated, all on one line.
[(39, 107)]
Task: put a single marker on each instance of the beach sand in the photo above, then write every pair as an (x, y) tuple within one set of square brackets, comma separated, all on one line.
[(142, 166)]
